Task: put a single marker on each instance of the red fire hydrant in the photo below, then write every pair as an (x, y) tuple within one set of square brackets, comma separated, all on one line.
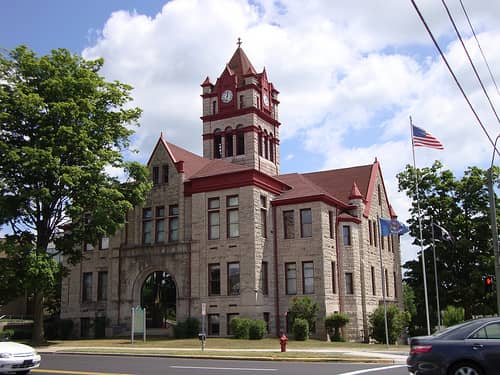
[(283, 340)]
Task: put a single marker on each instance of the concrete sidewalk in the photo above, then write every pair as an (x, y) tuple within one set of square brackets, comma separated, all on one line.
[(338, 354)]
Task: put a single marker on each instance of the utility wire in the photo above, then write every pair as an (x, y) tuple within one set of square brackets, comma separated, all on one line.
[(453, 75), (470, 60), (479, 46)]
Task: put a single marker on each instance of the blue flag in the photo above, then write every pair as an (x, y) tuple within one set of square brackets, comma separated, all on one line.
[(392, 226)]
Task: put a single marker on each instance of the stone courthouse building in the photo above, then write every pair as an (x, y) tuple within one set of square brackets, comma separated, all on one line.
[(228, 232)]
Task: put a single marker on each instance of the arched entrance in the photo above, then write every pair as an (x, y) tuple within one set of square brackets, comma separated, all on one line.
[(158, 296)]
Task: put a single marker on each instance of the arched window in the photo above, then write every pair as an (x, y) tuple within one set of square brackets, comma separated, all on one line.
[(266, 146), (260, 141), (271, 148), (240, 140), (228, 135), (217, 144)]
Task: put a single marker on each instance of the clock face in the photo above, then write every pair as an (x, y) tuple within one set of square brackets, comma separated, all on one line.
[(266, 99), (226, 96)]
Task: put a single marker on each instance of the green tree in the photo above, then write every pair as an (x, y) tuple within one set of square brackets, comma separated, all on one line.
[(304, 308), (62, 128), (410, 307), (335, 322), (453, 315), (396, 322), (461, 206)]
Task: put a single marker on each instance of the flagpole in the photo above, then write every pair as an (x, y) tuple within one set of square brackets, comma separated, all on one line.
[(420, 229), (436, 274)]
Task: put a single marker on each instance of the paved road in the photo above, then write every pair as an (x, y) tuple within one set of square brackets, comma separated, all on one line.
[(73, 364)]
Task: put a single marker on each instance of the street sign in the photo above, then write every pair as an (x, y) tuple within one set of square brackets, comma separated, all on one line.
[(203, 309)]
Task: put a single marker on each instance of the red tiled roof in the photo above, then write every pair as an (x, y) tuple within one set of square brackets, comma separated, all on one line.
[(338, 182), (240, 64), (218, 167), (192, 162)]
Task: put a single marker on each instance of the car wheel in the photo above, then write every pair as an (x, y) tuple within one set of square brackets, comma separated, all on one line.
[(24, 372), (465, 369)]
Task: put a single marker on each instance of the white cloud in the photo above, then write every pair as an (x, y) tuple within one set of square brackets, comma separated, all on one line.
[(349, 75)]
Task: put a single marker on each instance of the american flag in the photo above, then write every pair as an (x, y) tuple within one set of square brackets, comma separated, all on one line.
[(421, 138)]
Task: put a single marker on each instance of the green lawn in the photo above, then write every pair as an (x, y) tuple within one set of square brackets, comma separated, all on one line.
[(220, 343)]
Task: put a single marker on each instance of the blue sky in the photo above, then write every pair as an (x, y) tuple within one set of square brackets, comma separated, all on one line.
[(349, 73)]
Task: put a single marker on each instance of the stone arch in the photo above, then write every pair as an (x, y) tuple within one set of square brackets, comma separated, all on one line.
[(159, 297)]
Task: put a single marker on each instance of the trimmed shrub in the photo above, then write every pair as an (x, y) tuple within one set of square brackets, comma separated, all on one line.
[(241, 328), (189, 328), (300, 329), (257, 329), (334, 322), (396, 322)]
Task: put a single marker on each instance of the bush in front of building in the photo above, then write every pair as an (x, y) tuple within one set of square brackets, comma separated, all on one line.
[(304, 308), (6, 334), (333, 323), (257, 329), (300, 329), (396, 323), (189, 328), (240, 327)]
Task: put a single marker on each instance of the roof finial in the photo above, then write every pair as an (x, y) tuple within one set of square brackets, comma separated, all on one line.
[(239, 42)]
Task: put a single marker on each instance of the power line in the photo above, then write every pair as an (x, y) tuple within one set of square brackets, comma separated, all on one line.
[(479, 46), (470, 60), (453, 75)]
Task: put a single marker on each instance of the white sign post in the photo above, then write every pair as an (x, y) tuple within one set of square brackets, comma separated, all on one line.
[(138, 322), (203, 335)]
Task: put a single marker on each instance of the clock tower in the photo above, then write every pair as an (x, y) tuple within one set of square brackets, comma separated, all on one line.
[(240, 116)]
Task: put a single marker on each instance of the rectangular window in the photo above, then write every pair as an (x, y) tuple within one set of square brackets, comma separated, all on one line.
[(104, 243), (214, 279), (147, 226), (156, 175), (102, 285), (160, 224), (233, 224), (213, 325), (87, 287), (330, 223), (375, 233), (263, 201), (264, 279), (308, 277), (374, 289), (395, 285), (291, 278), (334, 278), (173, 223), (266, 319), (229, 318), (213, 219), (263, 222), (242, 103), (370, 233), (288, 224), (233, 279), (305, 223), (386, 282), (349, 283), (346, 230), (165, 173), (84, 327)]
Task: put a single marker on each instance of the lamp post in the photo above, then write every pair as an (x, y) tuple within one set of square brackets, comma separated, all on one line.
[(494, 228)]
